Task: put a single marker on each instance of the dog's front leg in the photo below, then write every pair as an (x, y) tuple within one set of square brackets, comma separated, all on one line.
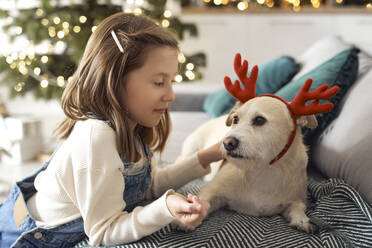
[(295, 214), (209, 194), (215, 199)]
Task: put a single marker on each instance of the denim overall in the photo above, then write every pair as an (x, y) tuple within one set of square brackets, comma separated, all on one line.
[(68, 234)]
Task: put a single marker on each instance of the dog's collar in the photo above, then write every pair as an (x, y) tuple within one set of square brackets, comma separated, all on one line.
[(293, 134)]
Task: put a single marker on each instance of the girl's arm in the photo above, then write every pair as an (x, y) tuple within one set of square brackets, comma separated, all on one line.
[(98, 186), (185, 170)]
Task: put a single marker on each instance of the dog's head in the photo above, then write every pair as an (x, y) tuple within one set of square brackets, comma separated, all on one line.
[(260, 128), (264, 127)]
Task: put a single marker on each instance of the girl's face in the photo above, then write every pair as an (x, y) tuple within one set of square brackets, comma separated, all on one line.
[(148, 90)]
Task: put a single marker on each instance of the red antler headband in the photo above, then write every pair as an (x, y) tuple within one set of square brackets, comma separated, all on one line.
[(298, 105)]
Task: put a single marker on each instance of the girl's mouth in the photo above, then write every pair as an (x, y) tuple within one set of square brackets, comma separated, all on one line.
[(160, 111)]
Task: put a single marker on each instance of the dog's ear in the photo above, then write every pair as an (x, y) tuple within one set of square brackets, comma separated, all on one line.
[(307, 121), (232, 111)]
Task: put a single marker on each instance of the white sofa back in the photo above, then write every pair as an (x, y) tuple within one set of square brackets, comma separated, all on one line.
[(262, 37)]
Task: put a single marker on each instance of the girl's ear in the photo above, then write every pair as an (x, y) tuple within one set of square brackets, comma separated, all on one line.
[(232, 111), (307, 121)]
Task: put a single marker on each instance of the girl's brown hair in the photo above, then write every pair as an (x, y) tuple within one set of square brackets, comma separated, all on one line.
[(98, 83)]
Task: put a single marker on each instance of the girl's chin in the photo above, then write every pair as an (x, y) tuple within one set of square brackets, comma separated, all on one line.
[(150, 124)]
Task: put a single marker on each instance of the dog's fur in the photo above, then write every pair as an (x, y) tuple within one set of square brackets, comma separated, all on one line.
[(245, 181)]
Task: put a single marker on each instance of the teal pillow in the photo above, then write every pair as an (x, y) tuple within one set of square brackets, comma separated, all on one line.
[(341, 70), (271, 77)]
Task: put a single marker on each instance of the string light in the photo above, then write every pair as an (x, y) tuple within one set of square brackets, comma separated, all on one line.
[(82, 19), (9, 60), (137, 11), (60, 34), (44, 59), (76, 29), (60, 81), (52, 31), (167, 13), (65, 25), (165, 23), (190, 75), (56, 20), (44, 83), (242, 5), (39, 12), (94, 28), (44, 21), (315, 3), (181, 58), (19, 86), (190, 66), (60, 45), (37, 70), (18, 30), (23, 70), (178, 78)]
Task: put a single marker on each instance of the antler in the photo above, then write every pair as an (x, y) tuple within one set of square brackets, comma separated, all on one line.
[(298, 106), (249, 82)]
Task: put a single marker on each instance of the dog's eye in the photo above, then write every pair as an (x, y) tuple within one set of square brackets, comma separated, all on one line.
[(235, 119), (258, 121)]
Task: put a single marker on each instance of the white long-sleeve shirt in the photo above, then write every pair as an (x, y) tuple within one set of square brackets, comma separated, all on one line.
[(84, 179)]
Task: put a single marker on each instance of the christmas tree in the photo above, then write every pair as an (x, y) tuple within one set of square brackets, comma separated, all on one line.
[(56, 33)]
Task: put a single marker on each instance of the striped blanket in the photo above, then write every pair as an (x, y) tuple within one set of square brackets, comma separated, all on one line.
[(343, 217)]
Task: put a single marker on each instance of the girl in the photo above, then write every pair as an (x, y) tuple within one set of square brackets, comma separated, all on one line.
[(97, 180)]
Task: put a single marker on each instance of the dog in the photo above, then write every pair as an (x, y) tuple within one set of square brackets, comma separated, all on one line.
[(264, 170)]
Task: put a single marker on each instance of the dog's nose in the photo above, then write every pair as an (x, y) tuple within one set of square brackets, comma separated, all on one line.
[(230, 143)]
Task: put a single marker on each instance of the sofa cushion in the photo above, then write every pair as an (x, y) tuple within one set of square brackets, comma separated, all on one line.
[(271, 77), (341, 70), (344, 148), (326, 48)]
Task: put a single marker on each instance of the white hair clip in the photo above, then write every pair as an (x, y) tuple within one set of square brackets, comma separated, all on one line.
[(117, 41)]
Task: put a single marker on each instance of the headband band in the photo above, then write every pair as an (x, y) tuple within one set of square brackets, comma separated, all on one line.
[(117, 41)]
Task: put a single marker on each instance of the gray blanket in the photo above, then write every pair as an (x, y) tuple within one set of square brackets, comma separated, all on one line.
[(344, 219)]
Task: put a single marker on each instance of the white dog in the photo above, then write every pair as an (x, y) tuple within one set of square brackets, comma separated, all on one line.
[(264, 172)]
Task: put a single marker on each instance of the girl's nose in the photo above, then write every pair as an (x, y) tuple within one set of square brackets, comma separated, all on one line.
[(169, 96)]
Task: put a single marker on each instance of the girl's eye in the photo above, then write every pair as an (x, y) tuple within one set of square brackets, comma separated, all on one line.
[(258, 121), (235, 119), (159, 83)]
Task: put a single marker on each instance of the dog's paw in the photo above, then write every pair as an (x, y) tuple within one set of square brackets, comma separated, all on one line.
[(181, 227), (303, 223)]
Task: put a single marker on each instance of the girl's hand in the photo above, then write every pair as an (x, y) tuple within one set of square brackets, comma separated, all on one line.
[(189, 211), (211, 154)]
